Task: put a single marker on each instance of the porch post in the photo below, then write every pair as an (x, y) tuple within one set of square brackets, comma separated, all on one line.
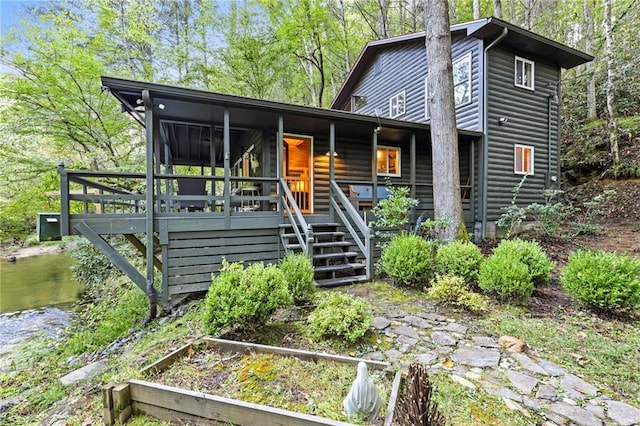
[(472, 181), (156, 160), (280, 149), (212, 164), (374, 168), (149, 127), (412, 173), (227, 167), (332, 165)]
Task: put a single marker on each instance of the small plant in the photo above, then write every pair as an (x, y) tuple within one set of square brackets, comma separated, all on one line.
[(549, 216), (506, 277), (601, 280), (416, 406), (244, 297), (461, 258), (91, 267), (452, 290), (584, 217), (431, 229), (392, 213), (341, 315), (513, 215), (409, 260), (531, 254), (298, 272)]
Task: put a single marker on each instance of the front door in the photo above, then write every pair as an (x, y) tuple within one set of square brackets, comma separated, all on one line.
[(298, 169)]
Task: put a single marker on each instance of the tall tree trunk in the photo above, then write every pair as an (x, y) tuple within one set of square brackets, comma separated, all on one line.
[(592, 113), (444, 136), (497, 8), (345, 37), (476, 9), (611, 78)]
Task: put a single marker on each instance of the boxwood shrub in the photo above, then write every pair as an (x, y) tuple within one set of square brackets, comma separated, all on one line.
[(531, 254), (506, 277), (601, 280), (452, 290), (409, 260), (461, 258), (341, 315), (244, 297), (298, 272)]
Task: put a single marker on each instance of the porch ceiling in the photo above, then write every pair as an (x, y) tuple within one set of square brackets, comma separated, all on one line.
[(189, 119)]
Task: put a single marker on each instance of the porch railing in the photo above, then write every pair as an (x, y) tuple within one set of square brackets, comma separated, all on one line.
[(350, 217), (302, 230)]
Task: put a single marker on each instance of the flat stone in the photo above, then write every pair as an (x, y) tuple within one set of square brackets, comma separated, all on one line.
[(454, 327), (374, 356), (546, 392), (528, 364), (504, 393), (444, 350), (392, 354), (596, 410), (444, 338), (551, 367), (409, 341), (485, 342), (555, 419), (623, 414), (522, 382), (578, 415), (473, 375), (427, 358), (86, 372), (464, 382), (6, 403), (575, 387), (512, 405), (531, 403), (417, 321), (432, 317), (381, 323), (403, 330), (476, 357)]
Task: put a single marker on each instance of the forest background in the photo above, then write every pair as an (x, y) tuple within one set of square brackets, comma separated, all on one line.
[(53, 110)]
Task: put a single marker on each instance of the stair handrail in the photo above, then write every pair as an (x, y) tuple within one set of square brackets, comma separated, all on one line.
[(342, 205), (289, 205)]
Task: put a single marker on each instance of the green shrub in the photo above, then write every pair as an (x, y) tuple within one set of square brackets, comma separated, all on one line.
[(341, 315), (91, 267), (298, 272), (461, 258), (506, 277), (244, 297), (409, 260), (531, 254), (452, 290), (601, 280)]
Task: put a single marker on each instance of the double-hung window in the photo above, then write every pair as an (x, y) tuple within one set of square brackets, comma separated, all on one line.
[(524, 75), (523, 159), (462, 80), (397, 105), (388, 161)]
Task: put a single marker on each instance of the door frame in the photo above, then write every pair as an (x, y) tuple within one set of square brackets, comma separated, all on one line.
[(310, 163)]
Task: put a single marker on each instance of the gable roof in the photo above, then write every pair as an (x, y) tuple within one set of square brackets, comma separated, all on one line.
[(486, 29)]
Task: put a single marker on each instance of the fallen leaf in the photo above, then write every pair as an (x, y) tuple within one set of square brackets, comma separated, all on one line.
[(448, 362)]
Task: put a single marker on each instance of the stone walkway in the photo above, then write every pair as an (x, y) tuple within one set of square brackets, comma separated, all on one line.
[(524, 382)]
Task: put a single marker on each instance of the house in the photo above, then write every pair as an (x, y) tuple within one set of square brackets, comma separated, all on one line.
[(242, 179), (506, 86)]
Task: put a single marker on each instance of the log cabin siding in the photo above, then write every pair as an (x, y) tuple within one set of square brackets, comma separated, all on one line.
[(527, 112)]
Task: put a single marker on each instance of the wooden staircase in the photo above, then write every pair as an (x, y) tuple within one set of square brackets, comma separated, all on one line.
[(334, 261)]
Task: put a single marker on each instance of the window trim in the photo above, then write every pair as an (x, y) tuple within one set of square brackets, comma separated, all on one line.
[(469, 85), (404, 104), (524, 61), (354, 102), (520, 169), (427, 110), (387, 148)]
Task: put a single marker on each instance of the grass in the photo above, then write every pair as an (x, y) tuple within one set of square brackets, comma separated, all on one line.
[(605, 351)]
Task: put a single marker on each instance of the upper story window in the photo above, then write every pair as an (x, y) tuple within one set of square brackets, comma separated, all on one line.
[(524, 75), (523, 159), (357, 102), (462, 80), (397, 105), (388, 161)]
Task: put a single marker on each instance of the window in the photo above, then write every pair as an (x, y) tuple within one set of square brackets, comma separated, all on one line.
[(357, 102), (524, 73), (462, 80), (396, 105), (388, 161), (523, 160), (427, 109)]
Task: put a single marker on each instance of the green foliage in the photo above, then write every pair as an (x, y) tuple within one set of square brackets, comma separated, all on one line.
[(91, 267), (341, 315), (583, 217), (531, 254), (461, 258), (431, 229), (513, 215), (392, 213), (452, 290), (409, 260), (601, 280), (244, 297), (298, 272), (506, 277)]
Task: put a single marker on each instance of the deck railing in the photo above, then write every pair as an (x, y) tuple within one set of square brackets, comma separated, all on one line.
[(302, 230)]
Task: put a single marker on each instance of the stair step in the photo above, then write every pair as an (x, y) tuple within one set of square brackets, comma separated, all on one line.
[(318, 234), (322, 245), (333, 282), (339, 267), (346, 255)]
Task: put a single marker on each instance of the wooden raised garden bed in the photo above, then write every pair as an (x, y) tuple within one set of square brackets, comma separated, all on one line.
[(205, 366)]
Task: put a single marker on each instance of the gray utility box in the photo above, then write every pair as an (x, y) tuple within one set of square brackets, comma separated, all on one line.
[(48, 227)]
